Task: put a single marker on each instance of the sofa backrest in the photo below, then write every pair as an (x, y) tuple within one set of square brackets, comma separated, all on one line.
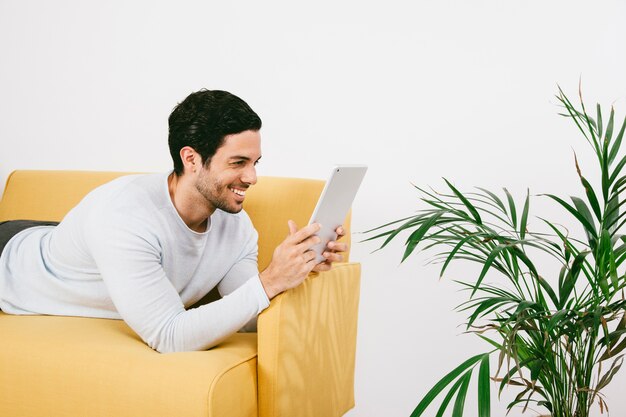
[(49, 195)]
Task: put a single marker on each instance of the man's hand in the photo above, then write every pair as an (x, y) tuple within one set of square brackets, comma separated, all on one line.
[(333, 252), (292, 260)]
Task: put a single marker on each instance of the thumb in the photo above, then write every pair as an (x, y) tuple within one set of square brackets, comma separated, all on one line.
[(293, 228)]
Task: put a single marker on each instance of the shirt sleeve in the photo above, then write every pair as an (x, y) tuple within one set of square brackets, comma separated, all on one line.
[(243, 271), (128, 257)]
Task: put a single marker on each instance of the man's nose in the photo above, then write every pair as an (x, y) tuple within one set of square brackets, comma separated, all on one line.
[(249, 176)]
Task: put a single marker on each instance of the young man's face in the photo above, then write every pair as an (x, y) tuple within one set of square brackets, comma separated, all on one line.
[(231, 171)]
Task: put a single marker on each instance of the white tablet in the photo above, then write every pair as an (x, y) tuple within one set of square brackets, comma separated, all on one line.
[(334, 203)]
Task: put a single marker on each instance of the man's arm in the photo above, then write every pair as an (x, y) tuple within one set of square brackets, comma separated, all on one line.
[(129, 261)]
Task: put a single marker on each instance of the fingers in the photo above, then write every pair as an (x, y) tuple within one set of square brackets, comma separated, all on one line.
[(337, 246), (330, 258), (309, 256), (293, 259), (322, 267), (333, 257), (334, 251), (300, 241), (293, 228), (305, 232), (298, 236), (307, 244)]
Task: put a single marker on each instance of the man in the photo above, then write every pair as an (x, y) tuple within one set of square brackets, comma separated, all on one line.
[(143, 248)]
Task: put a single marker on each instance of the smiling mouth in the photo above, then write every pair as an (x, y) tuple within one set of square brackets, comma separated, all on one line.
[(241, 193)]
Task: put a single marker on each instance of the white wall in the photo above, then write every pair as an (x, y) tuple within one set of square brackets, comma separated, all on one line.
[(417, 90)]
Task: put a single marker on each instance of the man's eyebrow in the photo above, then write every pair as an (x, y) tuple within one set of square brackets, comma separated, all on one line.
[(245, 158)]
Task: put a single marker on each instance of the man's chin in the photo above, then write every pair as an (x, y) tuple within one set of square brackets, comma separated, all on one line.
[(232, 209)]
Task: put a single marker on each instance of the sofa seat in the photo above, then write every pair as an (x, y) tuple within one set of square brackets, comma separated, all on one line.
[(110, 359)]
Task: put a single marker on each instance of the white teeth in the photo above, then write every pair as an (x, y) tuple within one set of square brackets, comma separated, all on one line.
[(238, 192)]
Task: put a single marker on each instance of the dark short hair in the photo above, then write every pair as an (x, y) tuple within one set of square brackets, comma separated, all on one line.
[(204, 119)]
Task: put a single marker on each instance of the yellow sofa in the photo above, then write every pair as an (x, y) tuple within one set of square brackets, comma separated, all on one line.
[(300, 363)]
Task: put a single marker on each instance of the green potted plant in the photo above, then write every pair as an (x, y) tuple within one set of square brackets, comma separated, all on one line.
[(557, 341)]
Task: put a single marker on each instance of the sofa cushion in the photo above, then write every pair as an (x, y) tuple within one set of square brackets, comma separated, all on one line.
[(100, 367), (48, 195)]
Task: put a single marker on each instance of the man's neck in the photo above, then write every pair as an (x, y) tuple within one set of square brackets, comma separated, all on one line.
[(186, 200)]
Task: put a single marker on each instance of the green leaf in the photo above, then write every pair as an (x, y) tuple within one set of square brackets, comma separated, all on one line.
[(556, 319), (525, 305), (584, 211), (524, 220), (591, 196), (418, 234), (613, 271), (494, 197), (411, 223), (609, 128), (457, 411), (617, 143), (522, 256), (448, 397), (486, 201), (562, 272), (591, 127), (548, 289), (611, 213), (453, 253), (618, 169), (570, 280), (466, 202), (603, 283), (484, 388), (603, 255), (506, 379), (484, 305), (608, 376), (575, 115), (599, 112), (444, 382), (535, 369), (386, 225), (604, 171), (487, 265), (588, 226), (613, 351), (512, 210), (490, 341)]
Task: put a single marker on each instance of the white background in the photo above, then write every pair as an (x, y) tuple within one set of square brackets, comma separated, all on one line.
[(417, 90)]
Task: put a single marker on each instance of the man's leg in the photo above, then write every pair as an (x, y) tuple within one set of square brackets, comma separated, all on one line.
[(10, 228)]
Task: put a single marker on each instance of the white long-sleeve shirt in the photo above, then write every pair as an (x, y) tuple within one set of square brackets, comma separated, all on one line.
[(124, 252)]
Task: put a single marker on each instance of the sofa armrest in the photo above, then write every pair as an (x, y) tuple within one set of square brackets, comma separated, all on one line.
[(307, 345)]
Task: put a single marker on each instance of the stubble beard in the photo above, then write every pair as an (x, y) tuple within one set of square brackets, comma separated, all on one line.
[(213, 192)]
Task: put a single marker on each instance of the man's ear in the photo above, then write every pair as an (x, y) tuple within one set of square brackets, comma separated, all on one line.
[(192, 161)]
